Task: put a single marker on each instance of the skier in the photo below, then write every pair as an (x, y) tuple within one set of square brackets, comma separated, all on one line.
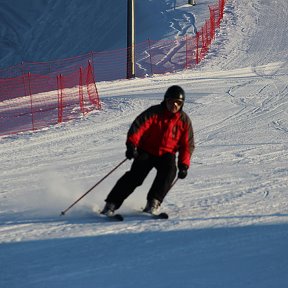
[(153, 140)]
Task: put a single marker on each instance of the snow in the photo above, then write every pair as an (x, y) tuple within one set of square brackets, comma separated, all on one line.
[(74, 28), (228, 218)]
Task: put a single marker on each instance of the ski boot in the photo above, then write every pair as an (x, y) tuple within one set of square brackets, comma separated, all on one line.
[(152, 207), (109, 209)]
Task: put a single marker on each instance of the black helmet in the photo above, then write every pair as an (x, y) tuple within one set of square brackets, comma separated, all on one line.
[(175, 92)]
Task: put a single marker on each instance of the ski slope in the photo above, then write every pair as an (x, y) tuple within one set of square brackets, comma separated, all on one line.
[(49, 30), (228, 218)]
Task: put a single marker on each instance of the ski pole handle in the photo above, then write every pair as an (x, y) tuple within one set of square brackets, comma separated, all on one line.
[(64, 211)]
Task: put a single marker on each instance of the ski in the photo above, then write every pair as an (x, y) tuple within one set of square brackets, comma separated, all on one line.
[(115, 217), (161, 215), (120, 218)]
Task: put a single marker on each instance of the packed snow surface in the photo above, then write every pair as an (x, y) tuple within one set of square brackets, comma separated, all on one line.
[(229, 217)]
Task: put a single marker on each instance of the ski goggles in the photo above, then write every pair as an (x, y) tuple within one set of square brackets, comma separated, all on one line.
[(172, 101)]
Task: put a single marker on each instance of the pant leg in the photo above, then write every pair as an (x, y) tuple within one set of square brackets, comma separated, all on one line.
[(131, 179), (166, 172)]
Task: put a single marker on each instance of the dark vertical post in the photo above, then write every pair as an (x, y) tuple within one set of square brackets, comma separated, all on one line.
[(130, 39), (31, 99), (150, 56)]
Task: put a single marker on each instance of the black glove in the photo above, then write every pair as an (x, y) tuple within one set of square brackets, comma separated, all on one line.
[(131, 151), (182, 173)]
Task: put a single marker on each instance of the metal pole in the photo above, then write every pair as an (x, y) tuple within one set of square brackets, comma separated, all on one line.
[(64, 211), (174, 182), (130, 39)]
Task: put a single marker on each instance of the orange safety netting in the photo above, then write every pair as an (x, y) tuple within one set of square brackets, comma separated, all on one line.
[(36, 95)]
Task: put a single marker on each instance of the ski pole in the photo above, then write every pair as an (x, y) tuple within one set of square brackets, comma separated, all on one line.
[(174, 182), (64, 211)]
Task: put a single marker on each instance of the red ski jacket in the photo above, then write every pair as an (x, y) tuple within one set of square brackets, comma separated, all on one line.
[(158, 131)]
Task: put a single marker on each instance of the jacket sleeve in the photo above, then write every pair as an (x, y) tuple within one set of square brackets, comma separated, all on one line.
[(140, 125), (187, 144)]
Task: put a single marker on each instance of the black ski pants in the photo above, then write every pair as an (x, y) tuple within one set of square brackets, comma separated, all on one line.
[(140, 168)]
